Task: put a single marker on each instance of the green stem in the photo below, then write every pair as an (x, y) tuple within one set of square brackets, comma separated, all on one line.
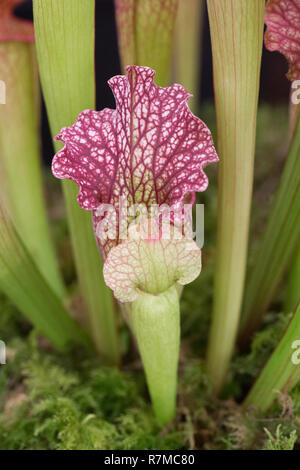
[(282, 371), (280, 239), (156, 324), (64, 34), (237, 37), (293, 283), (292, 296), (154, 28), (21, 179), (22, 282), (145, 32), (187, 52)]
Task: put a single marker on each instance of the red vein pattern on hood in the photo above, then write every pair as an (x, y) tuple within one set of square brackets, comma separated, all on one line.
[(282, 18), (153, 258), (151, 149), (11, 27)]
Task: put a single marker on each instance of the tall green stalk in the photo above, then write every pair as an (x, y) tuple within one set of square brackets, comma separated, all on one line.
[(237, 37), (21, 181), (280, 239), (155, 320), (187, 53), (292, 295), (64, 34), (145, 31), (23, 283), (282, 371)]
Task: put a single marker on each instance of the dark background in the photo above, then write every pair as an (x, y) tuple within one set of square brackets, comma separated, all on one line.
[(274, 87)]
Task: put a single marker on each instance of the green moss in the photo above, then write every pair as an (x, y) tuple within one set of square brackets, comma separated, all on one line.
[(280, 441), (245, 367), (49, 404)]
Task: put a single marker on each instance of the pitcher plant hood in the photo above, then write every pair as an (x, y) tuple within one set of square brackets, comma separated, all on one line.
[(282, 18), (151, 149)]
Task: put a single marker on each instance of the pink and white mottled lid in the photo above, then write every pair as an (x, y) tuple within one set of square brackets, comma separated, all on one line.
[(282, 18), (151, 149)]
